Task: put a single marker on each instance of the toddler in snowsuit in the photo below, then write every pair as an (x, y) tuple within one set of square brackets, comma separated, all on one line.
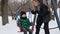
[(24, 23)]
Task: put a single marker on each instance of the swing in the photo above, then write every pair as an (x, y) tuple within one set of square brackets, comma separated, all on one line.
[(19, 25)]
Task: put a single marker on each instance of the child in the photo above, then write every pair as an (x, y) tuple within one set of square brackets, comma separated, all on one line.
[(24, 22)]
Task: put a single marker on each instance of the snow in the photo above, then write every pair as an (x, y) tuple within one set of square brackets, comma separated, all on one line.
[(11, 27)]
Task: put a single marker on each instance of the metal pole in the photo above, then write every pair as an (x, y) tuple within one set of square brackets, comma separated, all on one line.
[(53, 2)]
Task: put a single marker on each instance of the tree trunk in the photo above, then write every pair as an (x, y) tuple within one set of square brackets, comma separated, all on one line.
[(4, 11)]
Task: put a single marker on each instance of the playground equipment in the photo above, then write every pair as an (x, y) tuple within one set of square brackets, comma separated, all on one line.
[(22, 7)]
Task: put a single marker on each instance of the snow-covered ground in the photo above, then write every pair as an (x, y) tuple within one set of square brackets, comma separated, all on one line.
[(11, 27)]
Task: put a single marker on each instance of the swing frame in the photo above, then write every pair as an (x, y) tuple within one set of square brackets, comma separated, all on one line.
[(19, 25)]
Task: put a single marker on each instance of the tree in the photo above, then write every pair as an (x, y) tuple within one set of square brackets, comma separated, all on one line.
[(4, 11)]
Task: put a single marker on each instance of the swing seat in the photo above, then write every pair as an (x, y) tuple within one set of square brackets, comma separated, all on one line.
[(19, 25)]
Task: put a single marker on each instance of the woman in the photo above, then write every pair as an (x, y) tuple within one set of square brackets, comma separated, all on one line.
[(43, 16)]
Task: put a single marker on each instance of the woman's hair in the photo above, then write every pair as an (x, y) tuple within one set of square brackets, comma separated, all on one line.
[(22, 12)]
